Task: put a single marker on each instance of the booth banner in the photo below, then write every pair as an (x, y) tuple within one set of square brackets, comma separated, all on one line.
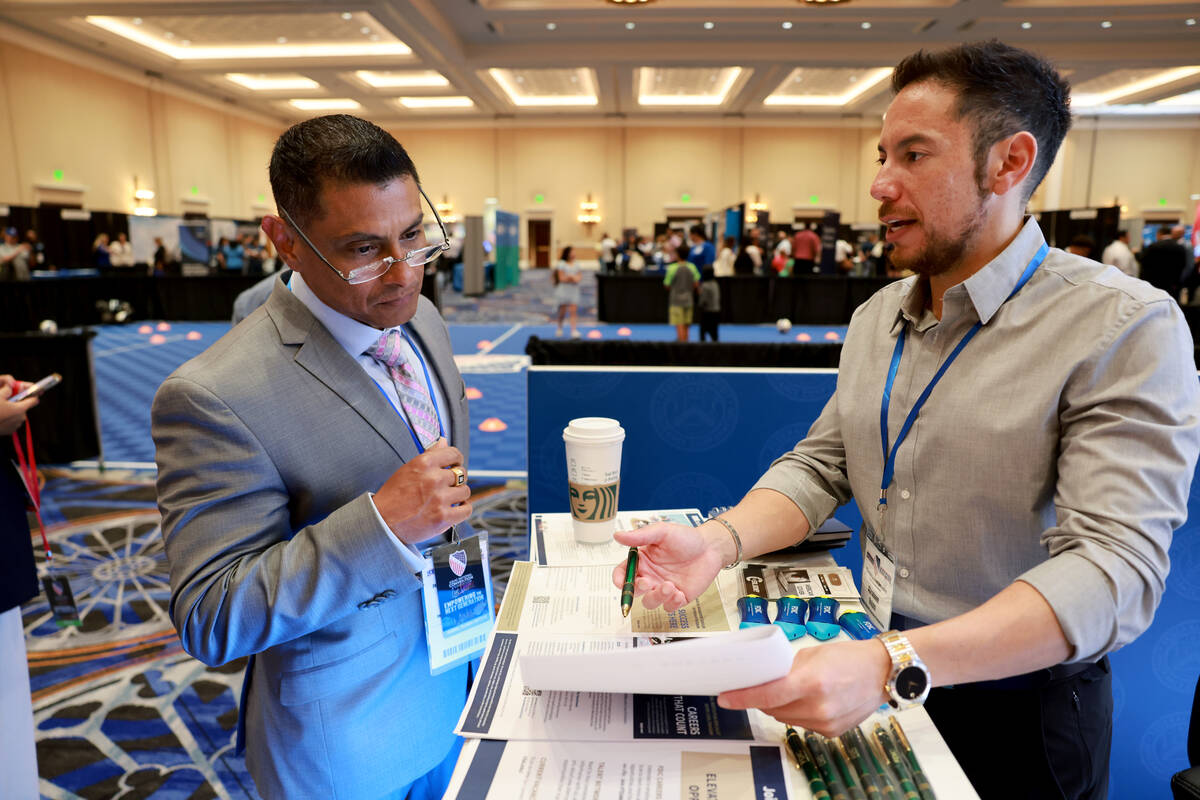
[(507, 270)]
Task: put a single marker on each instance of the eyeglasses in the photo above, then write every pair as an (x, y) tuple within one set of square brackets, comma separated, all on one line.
[(376, 269)]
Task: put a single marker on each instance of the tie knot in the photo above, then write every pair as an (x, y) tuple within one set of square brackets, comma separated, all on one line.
[(389, 349)]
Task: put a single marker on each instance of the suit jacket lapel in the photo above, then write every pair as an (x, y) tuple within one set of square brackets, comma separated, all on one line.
[(319, 353)]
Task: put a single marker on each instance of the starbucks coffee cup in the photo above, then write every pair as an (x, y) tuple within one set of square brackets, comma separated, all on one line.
[(593, 476)]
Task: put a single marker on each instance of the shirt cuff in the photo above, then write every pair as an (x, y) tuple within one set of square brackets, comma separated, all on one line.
[(1080, 596), (413, 560)]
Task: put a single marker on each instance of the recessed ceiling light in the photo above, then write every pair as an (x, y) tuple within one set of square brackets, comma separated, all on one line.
[(436, 102), (186, 42), (787, 26), (1106, 24), (708, 26), (364, 30), (383, 80), (1026, 25), (325, 104), (583, 92), (866, 26), (551, 26), (269, 83), (168, 35), (138, 21), (281, 40), (630, 26), (860, 84), (722, 80), (347, 15), (1141, 84), (1190, 21)]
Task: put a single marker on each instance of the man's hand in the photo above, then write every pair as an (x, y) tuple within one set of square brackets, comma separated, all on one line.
[(830, 688), (12, 415), (676, 563), (421, 499)]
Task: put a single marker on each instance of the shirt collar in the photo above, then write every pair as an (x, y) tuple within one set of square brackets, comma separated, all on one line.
[(352, 335), (990, 286)]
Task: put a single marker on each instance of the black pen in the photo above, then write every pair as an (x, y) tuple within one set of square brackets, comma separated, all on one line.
[(919, 778), (804, 762), (627, 588), (825, 764)]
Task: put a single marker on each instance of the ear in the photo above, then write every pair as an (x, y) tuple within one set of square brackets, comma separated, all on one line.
[(1010, 161), (281, 236)]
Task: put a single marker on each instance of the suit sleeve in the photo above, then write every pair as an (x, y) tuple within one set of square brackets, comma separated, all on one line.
[(241, 580)]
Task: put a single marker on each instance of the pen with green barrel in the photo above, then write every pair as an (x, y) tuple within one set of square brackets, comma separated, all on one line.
[(805, 762), (859, 761), (627, 587), (825, 764), (918, 775), (896, 762), (876, 761)]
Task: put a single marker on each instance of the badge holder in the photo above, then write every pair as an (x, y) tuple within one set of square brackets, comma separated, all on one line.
[(57, 587), (879, 579), (459, 609)]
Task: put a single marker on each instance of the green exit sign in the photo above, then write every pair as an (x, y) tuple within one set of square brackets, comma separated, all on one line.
[(58, 174), (1162, 201), (539, 198), (195, 190), (812, 198), (685, 197)]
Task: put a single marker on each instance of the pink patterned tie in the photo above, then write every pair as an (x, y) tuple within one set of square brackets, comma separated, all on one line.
[(410, 386)]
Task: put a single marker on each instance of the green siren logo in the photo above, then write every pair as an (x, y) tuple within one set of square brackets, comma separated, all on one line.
[(594, 503)]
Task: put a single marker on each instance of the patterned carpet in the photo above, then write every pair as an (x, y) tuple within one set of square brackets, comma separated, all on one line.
[(120, 711)]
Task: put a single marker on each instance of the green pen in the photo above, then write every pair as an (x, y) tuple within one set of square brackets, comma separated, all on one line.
[(825, 764), (907, 787), (856, 758), (627, 588), (804, 762), (886, 784), (843, 765), (918, 775)]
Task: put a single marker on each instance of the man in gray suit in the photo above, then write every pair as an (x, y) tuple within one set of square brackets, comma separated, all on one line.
[(303, 459)]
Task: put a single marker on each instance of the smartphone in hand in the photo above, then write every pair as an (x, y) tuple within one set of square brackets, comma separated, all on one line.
[(38, 388)]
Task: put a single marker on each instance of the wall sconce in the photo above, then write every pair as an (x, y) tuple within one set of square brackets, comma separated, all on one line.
[(141, 199), (755, 207), (446, 210), (589, 211)]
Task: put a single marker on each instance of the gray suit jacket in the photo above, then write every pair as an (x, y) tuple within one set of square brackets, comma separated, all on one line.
[(267, 445)]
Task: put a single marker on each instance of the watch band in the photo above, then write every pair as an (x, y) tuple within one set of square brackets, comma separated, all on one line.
[(904, 657)]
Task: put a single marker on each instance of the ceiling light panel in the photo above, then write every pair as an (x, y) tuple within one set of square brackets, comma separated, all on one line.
[(274, 82), (1120, 83), (402, 79), (1187, 100), (686, 86), (243, 36), (325, 104), (826, 86), (422, 103), (548, 87)]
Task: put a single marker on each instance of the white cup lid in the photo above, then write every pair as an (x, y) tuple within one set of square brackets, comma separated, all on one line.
[(594, 428)]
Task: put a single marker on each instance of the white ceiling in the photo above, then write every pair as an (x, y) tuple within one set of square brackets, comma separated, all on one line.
[(509, 56)]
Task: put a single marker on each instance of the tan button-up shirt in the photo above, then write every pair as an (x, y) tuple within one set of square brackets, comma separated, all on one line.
[(1057, 449)]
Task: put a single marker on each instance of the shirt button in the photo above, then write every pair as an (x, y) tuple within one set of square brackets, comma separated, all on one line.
[(904, 572), (905, 494)]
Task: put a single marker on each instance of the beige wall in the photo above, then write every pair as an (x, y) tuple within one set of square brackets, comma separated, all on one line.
[(102, 131)]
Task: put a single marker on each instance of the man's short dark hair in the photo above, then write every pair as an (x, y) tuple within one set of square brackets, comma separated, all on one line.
[(698, 230), (337, 148), (1001, 90)]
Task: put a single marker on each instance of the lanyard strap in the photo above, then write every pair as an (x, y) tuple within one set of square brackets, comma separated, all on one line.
[(889, 457), (432, 398), (28, 470)]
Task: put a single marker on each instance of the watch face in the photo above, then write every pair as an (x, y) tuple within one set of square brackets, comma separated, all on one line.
[(911, 683)]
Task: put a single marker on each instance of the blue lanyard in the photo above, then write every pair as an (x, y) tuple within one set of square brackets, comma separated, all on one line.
[(432, 398), (889, 457)]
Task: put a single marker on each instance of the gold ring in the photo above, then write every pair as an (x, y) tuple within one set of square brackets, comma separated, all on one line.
[(460, 475)]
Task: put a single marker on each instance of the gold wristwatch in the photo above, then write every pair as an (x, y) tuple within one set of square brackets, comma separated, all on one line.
[(909, 682)]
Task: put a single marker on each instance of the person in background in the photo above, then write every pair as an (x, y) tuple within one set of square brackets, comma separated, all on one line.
[(710, 305), (159, 264), (753, 262), (100, 256), (14, 257), (18, 583), (844, 256), (566, 291), (1120, 256), (233, 256), (681, 279), (1082, 246), (1021, 532), (635, 261), (254, 254), (1166, 263), (806, 249), (120, 252), (723, 266), (783, 247), (702, 253), (608, 253), (37, 251)]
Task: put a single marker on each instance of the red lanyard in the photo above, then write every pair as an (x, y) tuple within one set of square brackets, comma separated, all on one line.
[(28, 467)]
